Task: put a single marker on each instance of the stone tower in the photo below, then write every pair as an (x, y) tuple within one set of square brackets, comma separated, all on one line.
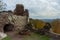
[(20, 17), (19, 10)]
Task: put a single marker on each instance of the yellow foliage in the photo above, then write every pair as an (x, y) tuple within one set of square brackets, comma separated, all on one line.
[(56, 26), (38, 24)]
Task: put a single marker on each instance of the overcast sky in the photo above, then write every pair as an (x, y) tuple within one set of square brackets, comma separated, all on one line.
[(38, 9)]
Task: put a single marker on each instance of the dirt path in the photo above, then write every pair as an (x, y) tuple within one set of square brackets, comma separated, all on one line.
[(15, 36), (20, 37)]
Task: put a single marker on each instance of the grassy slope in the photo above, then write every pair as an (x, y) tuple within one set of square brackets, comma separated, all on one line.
[(34, 36)]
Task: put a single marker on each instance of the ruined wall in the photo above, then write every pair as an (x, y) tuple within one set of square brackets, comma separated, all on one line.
[(19, 10), (19, 18), (27, 15), (3, 20)]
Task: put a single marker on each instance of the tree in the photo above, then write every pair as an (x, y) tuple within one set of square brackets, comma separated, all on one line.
[(38, 24), (56, 26), (2, 6)]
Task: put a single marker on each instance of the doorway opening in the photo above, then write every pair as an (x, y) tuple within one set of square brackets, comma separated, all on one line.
[(8, 28)]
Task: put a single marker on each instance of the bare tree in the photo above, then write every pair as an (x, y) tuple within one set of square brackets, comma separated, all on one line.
[(2, 6)]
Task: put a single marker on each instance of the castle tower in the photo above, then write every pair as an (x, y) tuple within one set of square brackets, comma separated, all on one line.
[(19, 10), (20, 17)]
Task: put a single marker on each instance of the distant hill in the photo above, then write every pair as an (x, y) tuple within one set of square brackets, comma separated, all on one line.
[(47, 20)]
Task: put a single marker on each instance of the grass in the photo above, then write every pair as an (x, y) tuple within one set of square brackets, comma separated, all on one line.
[(34, 36), (7, 38)]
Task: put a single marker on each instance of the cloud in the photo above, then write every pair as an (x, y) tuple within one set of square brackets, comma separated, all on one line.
[(38, 8), (49, 10)]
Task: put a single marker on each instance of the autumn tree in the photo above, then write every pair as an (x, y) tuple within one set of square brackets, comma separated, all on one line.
[(56, 26), (38, 24)]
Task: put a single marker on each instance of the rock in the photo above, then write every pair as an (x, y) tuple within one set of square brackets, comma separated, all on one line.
[(19, 18), (2, 35), (3, 20)]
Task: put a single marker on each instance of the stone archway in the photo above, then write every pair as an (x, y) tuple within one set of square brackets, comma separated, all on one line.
[(8, 27)]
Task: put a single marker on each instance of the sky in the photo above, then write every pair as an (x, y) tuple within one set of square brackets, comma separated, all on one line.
[(38, 9)]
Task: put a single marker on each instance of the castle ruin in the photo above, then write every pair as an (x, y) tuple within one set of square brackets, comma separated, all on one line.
[(14, 20)]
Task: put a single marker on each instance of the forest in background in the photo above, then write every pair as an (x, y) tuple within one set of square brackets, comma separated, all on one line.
[(38, 24)]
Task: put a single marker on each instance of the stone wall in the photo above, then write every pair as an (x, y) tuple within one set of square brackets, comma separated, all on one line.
[(3, 20), (19, 18)]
